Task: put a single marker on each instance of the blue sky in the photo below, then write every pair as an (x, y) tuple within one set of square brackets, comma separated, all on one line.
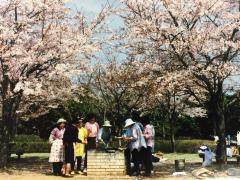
[(91, 6)]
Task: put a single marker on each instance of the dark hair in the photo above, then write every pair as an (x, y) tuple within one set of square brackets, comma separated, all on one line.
[(145, 120), (90, 116), (75, 121)]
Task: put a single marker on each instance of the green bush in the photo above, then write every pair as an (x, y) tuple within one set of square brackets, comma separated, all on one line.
[(183, 146), (27, 138), (30, 144), (31, 147)]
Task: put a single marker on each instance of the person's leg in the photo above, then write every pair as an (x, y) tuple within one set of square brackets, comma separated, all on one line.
[(72, 165), (59, 168), (85, 163), (147, 160), (150, 157), (79, 163), (135, 158), (54, 166), (127, 154)]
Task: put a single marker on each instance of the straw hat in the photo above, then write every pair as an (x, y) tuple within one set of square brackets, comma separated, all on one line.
[(61, 120), (129, 122), (107, 124)]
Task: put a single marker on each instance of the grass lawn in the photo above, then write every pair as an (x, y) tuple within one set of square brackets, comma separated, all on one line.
[(187, 157), (169, 156), (30, 155)]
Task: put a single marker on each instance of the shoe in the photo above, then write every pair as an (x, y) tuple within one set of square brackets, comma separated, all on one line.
[(84, 171), (135, 174), (67, 176), (147, 175), (79, 172), (72, 173)]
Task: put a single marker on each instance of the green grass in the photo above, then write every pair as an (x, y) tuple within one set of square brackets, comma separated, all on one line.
[(186, 156), (169, 156)]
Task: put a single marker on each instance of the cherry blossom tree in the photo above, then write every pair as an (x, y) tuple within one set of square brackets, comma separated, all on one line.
[(199, 37), (42, 44)]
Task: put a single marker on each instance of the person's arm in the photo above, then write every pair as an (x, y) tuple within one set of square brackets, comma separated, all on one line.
[(52, 136), (148, 132), (134, 134), (76, 136), (99, 136)]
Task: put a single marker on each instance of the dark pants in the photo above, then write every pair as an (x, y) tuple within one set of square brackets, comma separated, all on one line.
[(69, 153), (79, 163), (136, 158), (127, 154), (142, 157), (57, 168), (91, 143), (148, 160), (90, 146)]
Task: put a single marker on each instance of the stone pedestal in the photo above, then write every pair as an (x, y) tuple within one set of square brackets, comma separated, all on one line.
[(102, 163)]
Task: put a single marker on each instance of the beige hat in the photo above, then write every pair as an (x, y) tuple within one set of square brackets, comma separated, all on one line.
[(107, 124), (129, 122), (61, 120)]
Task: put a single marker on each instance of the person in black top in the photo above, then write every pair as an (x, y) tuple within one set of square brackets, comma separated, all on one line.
[(69, 138)]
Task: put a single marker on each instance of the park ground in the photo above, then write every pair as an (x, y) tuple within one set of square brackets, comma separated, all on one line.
[(35, 167)]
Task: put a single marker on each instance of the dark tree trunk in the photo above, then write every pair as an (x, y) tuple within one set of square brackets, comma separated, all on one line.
[(10, 105), (172, 133), (216, 109)]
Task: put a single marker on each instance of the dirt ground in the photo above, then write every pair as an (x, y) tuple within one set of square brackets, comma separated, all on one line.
[(40, 169)]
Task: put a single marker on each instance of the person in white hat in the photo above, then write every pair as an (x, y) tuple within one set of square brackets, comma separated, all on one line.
[(136, 143), (56, 154), (105, 134)]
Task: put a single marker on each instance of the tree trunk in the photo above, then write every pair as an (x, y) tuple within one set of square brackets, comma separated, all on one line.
[(4, 142), (172, 133), (173, 144), (216, 108), (10, 105)]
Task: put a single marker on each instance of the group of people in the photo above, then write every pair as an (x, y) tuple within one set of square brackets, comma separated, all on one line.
[(71, 142), (140, 143)]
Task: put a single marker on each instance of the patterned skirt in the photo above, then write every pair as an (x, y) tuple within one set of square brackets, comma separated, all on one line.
[(56, 154)]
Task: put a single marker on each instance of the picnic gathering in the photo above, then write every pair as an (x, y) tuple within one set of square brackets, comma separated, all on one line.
[(71, 142), (119, 89)]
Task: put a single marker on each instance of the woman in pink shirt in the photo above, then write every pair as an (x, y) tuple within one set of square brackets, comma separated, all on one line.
[(93, 129), (149, 137)]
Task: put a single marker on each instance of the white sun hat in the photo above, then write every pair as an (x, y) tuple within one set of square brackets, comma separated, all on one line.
[(61, 120), (129, 122), (107, 124)]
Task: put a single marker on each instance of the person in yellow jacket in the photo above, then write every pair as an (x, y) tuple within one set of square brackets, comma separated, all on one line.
[(80, 147)]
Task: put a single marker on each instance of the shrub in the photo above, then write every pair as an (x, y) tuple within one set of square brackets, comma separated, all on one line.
[(30, 144), (31, 147), (183, 146), (27, 138)]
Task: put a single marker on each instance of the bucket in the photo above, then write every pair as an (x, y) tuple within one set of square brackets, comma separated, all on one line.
[(179, 165)]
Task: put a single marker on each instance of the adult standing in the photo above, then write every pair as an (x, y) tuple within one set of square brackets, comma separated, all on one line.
[(56, 154), (137, 145), (80, 147), (70, 137), (93, 130), (149, 136)]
